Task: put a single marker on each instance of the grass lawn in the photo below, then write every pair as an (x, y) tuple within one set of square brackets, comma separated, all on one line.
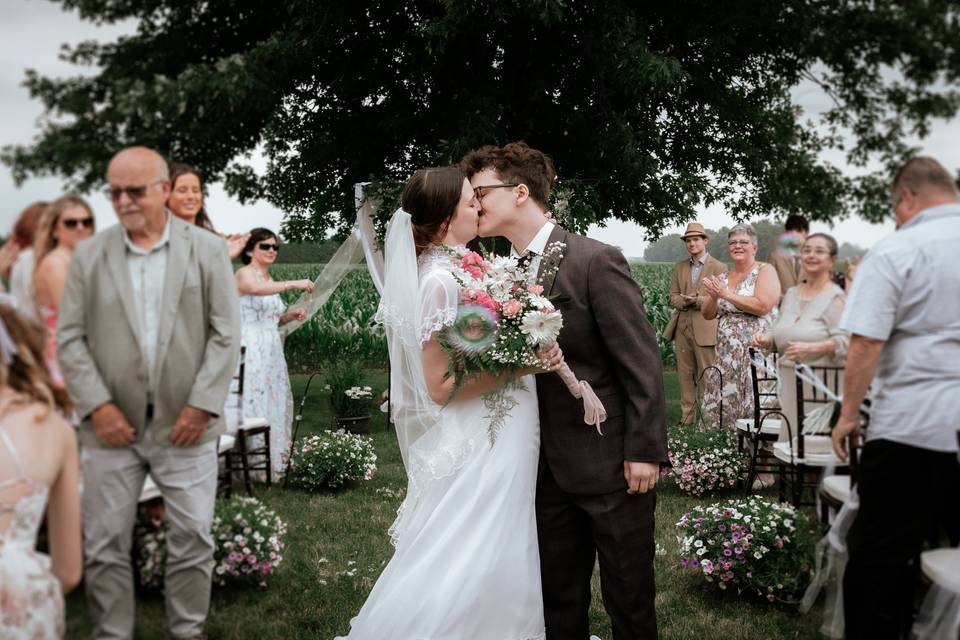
[(337, 545)]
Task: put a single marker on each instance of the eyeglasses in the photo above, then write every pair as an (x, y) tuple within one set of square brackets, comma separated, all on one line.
[(741, 243), (269, 246), (478, 191), (134, 193), (73, 223)]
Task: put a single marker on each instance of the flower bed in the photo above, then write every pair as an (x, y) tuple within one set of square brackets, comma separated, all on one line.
[(248, 537), (704, 461), (331, 460), (753, 545)]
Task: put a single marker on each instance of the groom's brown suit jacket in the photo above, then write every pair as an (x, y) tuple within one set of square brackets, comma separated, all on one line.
[(607, 341)]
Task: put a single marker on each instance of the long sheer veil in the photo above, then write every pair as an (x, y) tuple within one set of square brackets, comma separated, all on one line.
[(413, 412)]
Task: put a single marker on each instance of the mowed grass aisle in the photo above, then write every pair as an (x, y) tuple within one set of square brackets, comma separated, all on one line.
[(337, 545)]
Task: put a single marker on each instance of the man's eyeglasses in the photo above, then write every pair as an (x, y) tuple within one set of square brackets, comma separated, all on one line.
[(478, 191), (269, 246), (134, 193), (73, 223)]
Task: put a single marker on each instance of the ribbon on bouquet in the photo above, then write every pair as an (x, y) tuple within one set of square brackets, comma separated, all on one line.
[(593, 412)]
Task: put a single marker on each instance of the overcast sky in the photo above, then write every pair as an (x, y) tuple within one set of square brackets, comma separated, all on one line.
[(32, 32)]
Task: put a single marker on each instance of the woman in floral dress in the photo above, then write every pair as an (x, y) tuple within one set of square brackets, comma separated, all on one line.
[(266, 385), (745, 300)]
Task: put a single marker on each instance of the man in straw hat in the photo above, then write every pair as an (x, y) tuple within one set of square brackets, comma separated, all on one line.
[(694, 337)]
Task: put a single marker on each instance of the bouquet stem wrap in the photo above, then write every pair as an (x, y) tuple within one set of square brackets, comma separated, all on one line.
[(593, 411)]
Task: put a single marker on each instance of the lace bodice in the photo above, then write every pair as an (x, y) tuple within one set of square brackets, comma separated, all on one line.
[(26, 512)]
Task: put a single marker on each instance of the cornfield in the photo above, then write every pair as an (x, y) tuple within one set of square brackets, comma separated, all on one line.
[(344, 328)]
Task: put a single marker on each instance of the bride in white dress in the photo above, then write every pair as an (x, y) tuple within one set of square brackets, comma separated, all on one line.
[(466, 564)]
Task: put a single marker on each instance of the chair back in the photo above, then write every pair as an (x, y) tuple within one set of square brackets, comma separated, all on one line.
[(808, 394), (764, 380), (234, 406)]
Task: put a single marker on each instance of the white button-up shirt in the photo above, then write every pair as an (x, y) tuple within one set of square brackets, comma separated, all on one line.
[(148, 269), (907, 293), (537, 246)]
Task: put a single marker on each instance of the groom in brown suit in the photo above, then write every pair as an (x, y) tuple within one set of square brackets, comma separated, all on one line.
[(695, 337), (595, 493)]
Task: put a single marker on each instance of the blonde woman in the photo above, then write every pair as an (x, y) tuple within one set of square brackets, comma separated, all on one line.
[(39, 473), (65, 223)]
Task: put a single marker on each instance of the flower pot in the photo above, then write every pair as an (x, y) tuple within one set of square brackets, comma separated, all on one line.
[(358, 424)]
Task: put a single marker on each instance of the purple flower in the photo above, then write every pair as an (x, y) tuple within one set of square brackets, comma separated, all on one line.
[(738, 551), (727, 552), (684, 561)]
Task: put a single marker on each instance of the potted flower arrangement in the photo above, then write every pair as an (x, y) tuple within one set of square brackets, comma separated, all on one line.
[(753, 546), (331, 460), (350, 399), (704, 461)]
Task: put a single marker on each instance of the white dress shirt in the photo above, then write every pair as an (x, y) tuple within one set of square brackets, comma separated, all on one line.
[(537, 246)]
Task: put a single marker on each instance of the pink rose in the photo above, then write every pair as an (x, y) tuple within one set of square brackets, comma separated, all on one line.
[(535, 289), (474, 264), (511, 308)]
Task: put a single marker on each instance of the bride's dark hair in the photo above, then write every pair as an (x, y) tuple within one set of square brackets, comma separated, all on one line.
[(431, 197)]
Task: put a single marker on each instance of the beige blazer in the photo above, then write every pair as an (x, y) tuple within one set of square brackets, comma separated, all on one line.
[(198, 341), (704, 331), (787, 271)]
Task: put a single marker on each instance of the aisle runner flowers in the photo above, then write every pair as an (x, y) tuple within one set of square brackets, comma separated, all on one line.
[(502, 321), (751, 546), (332, 459), (704, 461), (248, 537)]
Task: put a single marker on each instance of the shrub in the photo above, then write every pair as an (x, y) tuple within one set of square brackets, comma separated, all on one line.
[(331, 460), (753, 545), (704, 461)]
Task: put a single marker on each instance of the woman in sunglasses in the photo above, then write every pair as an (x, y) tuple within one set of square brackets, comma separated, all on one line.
[(63, 225), (186, 202), (266, 390)]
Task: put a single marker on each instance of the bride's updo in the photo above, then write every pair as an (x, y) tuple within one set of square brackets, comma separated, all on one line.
[(431, 197)]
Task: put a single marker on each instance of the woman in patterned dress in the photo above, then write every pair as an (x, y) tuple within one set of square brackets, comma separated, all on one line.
[(266, 385), (745, 300)]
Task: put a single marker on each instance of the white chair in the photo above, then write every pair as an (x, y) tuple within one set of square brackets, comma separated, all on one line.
[(939, 616)]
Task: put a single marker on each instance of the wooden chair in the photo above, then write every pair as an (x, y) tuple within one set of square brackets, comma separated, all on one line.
[(767, 420), (248, 456), (800, 469)]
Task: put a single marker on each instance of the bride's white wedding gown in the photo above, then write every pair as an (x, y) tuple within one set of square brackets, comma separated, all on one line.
[(466, 564)]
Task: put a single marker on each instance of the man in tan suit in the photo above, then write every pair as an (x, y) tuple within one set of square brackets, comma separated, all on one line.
[(695, 338), (148, 340), (788, 267)]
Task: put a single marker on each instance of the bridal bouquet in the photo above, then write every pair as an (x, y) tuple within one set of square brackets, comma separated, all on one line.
[(502, 320)]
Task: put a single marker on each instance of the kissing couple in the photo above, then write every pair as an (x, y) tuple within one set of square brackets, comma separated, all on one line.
[(497, 540)]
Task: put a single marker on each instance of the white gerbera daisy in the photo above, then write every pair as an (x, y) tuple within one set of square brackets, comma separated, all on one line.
[(541, 327)]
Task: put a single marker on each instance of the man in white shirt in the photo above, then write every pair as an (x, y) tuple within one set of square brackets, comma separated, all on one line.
[(903, 315)]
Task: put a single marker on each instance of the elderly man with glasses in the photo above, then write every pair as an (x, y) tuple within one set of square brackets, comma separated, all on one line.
[(148, 340)]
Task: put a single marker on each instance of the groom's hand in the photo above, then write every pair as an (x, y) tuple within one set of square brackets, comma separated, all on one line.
[(189, 427), (640, 476)]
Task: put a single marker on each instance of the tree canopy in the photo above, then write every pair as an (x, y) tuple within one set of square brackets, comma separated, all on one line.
[(649, 109)]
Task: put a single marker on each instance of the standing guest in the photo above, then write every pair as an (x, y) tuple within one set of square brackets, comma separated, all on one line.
[(148, 339), (694, 336), (266, 391), (21, 273), (186, 202), (64, 224), (39, 474), (785, 258), (904, 317), (807, 329), (744, 299)]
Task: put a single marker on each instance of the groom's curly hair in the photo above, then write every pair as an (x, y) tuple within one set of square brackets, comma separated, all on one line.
[(515, 162)]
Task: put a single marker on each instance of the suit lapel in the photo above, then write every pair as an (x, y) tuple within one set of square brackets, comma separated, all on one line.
[(120, 271), (178, 258), (557, 235)]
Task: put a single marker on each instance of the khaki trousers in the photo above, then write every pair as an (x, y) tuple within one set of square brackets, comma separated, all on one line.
[(112, 481), (691, 360)]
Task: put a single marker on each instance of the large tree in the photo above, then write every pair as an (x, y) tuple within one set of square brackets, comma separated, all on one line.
[(648, 108)]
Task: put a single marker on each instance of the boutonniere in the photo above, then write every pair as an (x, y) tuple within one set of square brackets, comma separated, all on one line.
[(549, 266)]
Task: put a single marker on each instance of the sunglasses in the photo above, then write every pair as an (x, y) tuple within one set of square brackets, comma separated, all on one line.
[(73, 223), (269, 246), (134, 193), (478, 191)]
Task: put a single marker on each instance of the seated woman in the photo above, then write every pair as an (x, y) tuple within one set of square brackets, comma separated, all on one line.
[(39, 472), (266, 390), (67, 222), (807, 330)]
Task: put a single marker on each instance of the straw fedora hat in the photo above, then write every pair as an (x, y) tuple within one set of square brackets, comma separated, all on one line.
[(695, 229)]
